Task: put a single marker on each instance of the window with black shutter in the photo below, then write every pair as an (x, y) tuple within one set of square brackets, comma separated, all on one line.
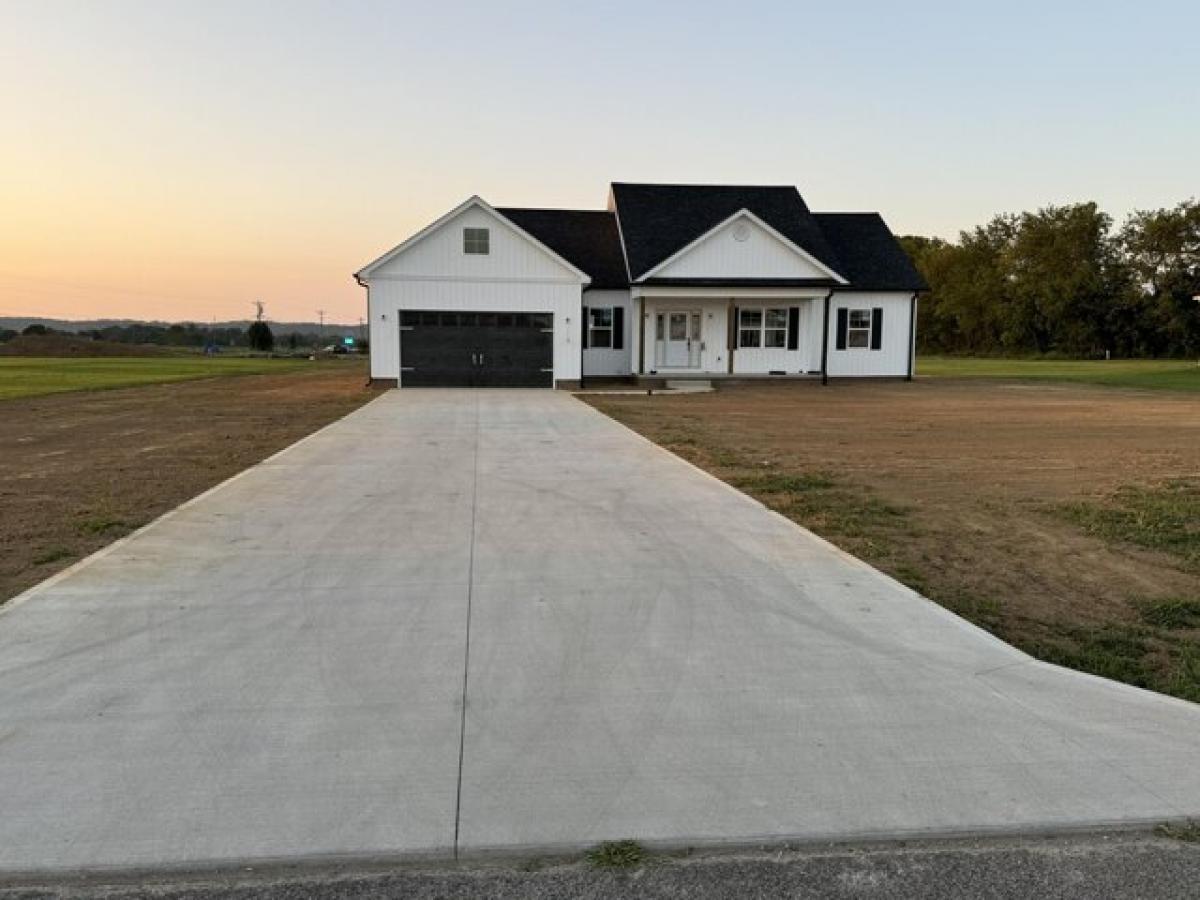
[(600, 321), (860, 329), (793, 328)]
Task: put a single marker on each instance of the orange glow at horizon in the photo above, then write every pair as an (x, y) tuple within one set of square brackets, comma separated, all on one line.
[(178, 161)]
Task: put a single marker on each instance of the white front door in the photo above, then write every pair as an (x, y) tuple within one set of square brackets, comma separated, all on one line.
[(681, 339)]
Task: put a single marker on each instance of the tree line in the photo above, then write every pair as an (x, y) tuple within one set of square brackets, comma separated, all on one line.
[(1064, 281), (258, 336)]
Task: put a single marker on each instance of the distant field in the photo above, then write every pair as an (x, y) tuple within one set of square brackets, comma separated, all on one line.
[(34, 376), (1158, 374)]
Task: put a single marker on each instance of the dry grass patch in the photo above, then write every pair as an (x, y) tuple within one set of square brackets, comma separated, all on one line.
[(78, 470), (1062, 518)]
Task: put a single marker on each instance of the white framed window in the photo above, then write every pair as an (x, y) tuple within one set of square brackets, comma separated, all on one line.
[(775, 329), (750, 328), (600, 327), (858, 329), (476, 241), (763, 328)]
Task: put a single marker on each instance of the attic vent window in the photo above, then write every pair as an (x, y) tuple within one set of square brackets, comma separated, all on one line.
[(476, 241), (741, 231)]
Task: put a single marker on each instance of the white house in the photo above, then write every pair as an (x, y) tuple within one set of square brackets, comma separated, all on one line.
[(668, 281)]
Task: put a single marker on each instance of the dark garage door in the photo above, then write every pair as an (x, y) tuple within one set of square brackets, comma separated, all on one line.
[(476, 349)]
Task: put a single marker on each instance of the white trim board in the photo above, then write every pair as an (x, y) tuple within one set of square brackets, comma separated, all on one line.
[(651, 292), (477, 202)]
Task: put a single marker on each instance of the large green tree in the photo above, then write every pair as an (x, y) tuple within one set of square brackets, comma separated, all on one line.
[(1162, 248), (1063, 274), (1059, 280)]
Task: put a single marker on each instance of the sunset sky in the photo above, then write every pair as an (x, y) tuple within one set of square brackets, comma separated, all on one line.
[(177, 161)]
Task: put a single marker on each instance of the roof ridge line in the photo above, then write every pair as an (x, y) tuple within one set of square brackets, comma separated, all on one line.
[(788, 187), (607, 212)]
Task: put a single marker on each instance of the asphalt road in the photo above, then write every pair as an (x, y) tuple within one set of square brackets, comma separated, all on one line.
[(1092, 867), (461, 622)]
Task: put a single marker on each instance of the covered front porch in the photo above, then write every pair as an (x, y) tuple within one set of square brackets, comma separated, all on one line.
[(725, 332)]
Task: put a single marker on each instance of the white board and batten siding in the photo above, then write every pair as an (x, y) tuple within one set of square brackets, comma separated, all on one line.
[(516, 275), (891, 359), (604, 362), (807, 355), (740, 248)]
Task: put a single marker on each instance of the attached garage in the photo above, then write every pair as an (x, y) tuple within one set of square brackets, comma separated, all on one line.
[(476, 349), (474, 300)]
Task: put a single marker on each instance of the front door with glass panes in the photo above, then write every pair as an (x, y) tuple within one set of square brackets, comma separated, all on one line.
[(679, 337)]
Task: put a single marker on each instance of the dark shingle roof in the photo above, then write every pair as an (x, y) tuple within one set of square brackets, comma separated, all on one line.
[(658, 220), (588, 239), (872, 258)]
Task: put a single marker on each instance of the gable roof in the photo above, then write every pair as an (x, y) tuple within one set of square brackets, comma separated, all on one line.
[(872, 257), (658, 220), (587, 238), (827, 275), (474, 201), (651, 223)]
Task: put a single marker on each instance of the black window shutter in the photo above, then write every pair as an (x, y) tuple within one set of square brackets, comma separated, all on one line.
[(843, 324), (793, 334), (618, 341), (583, 337), (733, 330), (877, 328)]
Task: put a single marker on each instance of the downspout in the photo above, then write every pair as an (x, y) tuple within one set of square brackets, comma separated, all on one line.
[(825, 341), (912, 335), (370, 343), (579, 332)]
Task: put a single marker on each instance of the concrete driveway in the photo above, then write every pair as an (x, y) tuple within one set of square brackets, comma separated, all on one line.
[(468, 621)]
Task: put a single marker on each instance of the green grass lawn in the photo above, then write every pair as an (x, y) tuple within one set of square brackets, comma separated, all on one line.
[(1160, 374), (35, 376)]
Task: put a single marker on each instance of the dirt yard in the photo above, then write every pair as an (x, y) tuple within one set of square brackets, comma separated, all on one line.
[(78, 470), (1063, 518)]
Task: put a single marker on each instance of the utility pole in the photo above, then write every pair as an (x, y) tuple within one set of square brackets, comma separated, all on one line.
[(321, 316), (258, 310)]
